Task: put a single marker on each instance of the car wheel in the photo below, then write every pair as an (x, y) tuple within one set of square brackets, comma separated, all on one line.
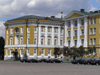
[(96, 63)]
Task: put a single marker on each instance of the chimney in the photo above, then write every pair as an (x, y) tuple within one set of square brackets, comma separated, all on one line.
[(82, 10), (61, 15)]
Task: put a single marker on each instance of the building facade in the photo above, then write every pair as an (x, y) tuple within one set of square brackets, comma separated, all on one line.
[(83, 29), (34, 35)]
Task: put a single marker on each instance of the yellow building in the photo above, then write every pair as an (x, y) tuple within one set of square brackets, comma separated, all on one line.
[(35, 35), (83, 28)]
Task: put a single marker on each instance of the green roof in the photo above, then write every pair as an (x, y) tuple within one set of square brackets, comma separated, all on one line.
[(37, 17), (88, 13)]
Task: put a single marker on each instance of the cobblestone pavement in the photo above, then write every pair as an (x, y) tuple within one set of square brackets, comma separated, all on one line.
[(17, 68)]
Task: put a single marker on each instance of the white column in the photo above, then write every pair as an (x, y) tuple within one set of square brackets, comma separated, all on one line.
[(45, 35), (85, 32), (58, 36), (78, 34), (65, 36), (71, 44), (52, 35), (39, 35)]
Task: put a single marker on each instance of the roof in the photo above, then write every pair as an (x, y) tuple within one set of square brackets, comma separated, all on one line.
[(36, 17), (88, 13)]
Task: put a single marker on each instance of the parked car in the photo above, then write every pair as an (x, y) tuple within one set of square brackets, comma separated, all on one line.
[(57, 61), (34, 60), (50, 61), (75, 61), (81, 61), (95, 62), (43, 60), (23, 60)]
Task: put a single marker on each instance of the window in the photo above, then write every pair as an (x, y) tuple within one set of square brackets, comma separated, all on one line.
[(48, 41), (82, 42), (21, 52), (35, 41), (94, 41), (11, 41), (55, 41), (42, 29), (75, 23), (82, 32), (69, 25), (28, 29), (75, 32), (61, 30), (90, 20), (94, 30), (18, 41), (35, 51), (11, 30), (35, 29), (90, 31), (61, 42), (42, 51), (42, 41), (21, 29), (11, 52), (49, 51), (6, 51), (21, 41), (69, 33), (28, 51), (94, 20), (82, 22), (28, 41), (75, 42), (55, 30), (48, 29), (68, 42), (90, 41)]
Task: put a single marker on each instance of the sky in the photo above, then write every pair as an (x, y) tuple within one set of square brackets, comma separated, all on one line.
[(10, 9)]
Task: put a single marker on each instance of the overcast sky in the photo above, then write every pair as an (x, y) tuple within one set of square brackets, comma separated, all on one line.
[(10, 9)]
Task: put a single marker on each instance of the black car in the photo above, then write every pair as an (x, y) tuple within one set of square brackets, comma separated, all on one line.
[(81, 61), (34, 60), (43, 60), (23, 60), (57, 61), (95, 62), (74, 61), (50, 61)]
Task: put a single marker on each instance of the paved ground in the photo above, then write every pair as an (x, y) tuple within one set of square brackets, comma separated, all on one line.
[(17, 68)]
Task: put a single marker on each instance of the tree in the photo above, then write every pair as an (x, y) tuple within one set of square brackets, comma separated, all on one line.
[(57, 51), (67, 52), (92, 50), (15, 53), (25, 56), (82, 51), (71, 52), (2, 43)]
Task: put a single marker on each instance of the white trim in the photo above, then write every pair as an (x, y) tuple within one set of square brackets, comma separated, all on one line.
[(85, 33), (59, 36), (46, 35), (31, 45), (52, 35), (71, 44), (78, 33), (71, 13)]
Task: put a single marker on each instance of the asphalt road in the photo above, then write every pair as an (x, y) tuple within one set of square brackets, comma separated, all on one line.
[(17, 68)]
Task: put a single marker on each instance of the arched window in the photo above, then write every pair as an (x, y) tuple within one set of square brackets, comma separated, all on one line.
[(17, 30)]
